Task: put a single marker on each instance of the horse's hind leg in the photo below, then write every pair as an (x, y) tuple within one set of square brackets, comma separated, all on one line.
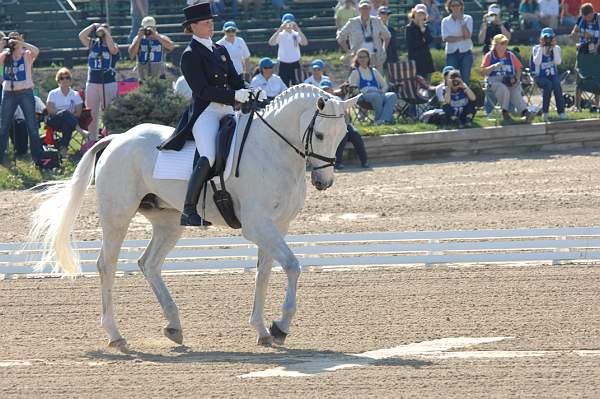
[(113, 235), (165, 233)]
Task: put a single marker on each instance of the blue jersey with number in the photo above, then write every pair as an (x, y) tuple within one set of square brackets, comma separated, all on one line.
[(547, 68), (150, 51), (15, 72), (508, 69), (101, 63), (458, 101)]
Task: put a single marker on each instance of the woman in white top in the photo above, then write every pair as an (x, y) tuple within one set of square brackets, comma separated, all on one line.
[(289, 37), (457, 29), (373, 87), (64, 107), (237, 49), (267, 80)]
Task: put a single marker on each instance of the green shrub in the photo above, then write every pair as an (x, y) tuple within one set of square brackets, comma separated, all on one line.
[(154, 102)]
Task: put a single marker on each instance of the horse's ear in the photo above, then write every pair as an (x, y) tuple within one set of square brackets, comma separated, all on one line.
[(351, 102), (321, 103)]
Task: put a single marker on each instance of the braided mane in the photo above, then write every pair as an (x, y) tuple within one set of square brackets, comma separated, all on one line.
[(301, 91)]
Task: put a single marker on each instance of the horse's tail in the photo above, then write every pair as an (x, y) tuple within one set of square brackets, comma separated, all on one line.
[(53, 220)]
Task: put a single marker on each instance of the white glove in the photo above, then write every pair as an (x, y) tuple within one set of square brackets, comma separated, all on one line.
[(262, 95), (242, 95)]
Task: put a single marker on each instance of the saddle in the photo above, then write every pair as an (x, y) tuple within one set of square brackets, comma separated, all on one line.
[(221, 197)]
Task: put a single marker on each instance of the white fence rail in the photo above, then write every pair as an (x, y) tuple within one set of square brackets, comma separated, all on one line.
[(551, 245)]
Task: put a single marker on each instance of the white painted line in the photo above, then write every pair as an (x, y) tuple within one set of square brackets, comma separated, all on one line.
[(332, 363)]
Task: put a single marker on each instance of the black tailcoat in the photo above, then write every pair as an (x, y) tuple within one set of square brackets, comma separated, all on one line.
[(212, 78)]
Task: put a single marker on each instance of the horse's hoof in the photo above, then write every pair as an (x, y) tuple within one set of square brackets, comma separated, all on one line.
[(278, 335), (265, 341), (119, 344), (174, 335)]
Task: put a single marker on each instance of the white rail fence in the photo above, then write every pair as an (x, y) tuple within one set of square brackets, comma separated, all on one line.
[(316, 251)]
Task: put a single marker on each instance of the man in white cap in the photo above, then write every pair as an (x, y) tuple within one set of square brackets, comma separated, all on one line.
[(149, 48), (365, 31), (491, 26)]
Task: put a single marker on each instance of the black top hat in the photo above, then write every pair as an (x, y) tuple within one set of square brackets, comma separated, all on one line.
[(197, 12)]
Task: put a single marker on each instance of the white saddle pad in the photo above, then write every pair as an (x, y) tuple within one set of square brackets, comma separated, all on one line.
[(177, 165)]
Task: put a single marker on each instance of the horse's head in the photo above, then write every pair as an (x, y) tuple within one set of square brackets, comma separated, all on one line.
[(328, 130)]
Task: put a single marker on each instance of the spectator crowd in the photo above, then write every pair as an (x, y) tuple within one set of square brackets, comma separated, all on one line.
[(369, 43)]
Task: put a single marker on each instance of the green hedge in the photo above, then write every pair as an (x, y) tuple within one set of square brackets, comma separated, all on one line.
[(154, 102)]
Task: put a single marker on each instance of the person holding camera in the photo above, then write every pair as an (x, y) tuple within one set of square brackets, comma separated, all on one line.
[(503, 78), (457, 29), (365, 32), (216, 87), (418, 39), (545, 58), (491, 26), (289, 38), (587, 30), (17, 59), (237, 49), (101, 86), (149, 48), (373, 87), (64, 107), (459, 101)]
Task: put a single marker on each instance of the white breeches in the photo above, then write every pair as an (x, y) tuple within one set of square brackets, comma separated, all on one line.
[(206, 128)]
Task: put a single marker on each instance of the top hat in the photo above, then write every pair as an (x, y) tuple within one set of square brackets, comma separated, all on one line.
[(197, 12)]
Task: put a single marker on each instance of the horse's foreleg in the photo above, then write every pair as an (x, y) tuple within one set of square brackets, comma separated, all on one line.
[(267, 237), (165, 233), (263, 272)]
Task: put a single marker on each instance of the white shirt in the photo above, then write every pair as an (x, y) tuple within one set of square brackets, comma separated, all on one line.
[(238, 51), (62, 102), (439, 92), (548, 8), (311, 80), (39, 108), (208, 43), (182, 87), (289, 46), (272, 87), (452, 27)]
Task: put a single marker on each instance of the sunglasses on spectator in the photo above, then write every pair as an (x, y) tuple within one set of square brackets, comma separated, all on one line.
[(363, 56), (267, 67), (231, 30), (64, 78)]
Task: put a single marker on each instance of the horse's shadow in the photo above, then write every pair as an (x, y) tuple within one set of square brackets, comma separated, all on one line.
[(305, 361)]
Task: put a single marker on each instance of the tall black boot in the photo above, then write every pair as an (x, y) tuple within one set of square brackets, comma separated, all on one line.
[(189, 215)]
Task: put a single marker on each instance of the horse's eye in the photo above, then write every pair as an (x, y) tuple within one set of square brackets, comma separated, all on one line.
[(319, 136)]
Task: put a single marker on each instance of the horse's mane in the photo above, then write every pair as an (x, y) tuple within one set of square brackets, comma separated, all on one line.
[(302, 90)]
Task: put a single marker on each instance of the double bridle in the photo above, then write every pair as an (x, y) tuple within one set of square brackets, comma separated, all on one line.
[(307, 139)]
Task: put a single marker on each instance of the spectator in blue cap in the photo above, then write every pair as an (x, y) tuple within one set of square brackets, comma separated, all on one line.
[(545, 58), (289, 38), (266, 80), (237, 49), (317, 75), (439, 89)]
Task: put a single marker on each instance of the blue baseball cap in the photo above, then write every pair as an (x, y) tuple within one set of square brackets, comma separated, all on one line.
[(325, 84), (229, 25), (447, 70), (317, 64), (547, 32), (265, 63), (289, 17)]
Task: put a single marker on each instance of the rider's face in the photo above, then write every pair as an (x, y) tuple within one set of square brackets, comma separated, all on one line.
[(203, 29)]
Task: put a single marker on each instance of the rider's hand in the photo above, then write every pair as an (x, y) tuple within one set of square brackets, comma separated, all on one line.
[(262, 95), (242, 95)]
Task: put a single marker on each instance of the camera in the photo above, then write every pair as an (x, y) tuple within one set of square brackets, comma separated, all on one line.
[(368, 39), (10, 44), (97, 34), (508, 81), (547, 41), (455, 82), (490, 19), (148, 31)]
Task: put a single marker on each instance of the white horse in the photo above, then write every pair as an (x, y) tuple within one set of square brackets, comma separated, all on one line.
[(267, 196)]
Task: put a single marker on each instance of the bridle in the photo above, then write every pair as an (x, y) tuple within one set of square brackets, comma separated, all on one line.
[(307, 139)]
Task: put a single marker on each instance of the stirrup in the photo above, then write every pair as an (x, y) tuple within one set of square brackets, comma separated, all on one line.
[(193, 219)]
